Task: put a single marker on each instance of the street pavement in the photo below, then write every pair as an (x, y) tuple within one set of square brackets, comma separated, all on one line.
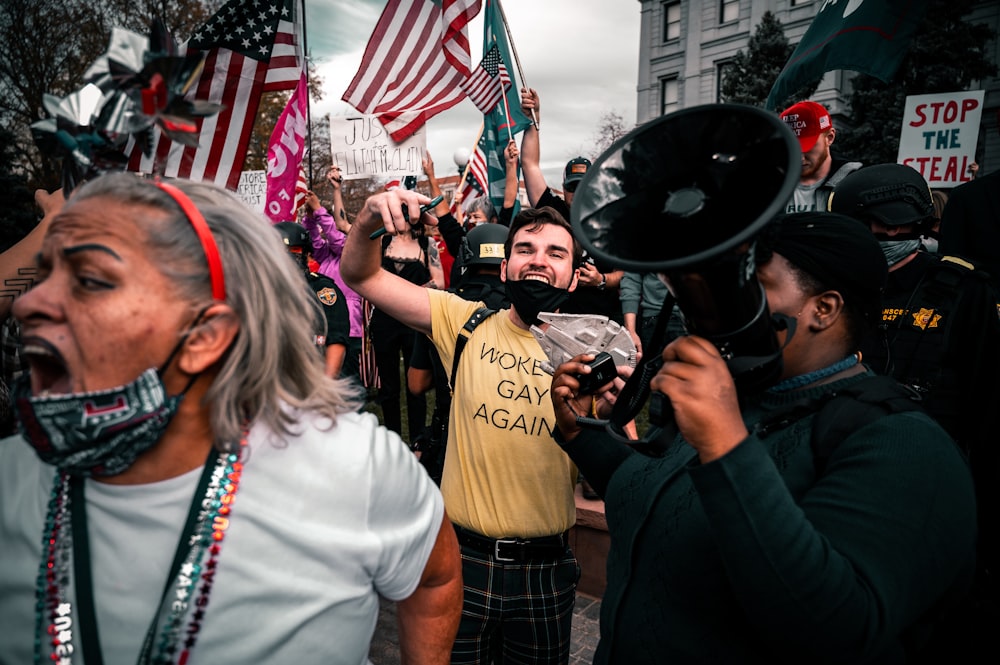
[(385, 642)]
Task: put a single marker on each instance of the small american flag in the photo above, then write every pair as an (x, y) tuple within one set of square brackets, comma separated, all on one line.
[(475, 182), (488, 83)]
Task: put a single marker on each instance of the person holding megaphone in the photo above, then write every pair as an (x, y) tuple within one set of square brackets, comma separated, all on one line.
[(811, 515)]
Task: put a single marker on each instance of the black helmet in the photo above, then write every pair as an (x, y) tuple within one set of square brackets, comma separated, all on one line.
[(293, 235), (891, 194), (484, 245)]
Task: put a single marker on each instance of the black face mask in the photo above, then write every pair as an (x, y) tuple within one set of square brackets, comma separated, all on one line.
[(528, 297)]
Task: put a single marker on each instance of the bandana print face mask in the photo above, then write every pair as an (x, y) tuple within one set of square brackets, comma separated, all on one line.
[(98, 433)]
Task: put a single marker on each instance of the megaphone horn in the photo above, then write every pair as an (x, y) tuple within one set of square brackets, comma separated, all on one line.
[(684, 195)]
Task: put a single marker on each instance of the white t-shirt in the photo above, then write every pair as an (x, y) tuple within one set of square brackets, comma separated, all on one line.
[(322, 523)]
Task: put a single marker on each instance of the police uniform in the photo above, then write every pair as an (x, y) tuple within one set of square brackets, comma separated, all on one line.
[(940, 335), (335, 327)]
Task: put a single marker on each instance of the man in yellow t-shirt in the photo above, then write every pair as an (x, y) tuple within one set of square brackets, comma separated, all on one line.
[(507, 487)]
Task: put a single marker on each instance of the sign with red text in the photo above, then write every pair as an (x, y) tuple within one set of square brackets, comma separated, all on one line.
[(939, 134), (362, 148)]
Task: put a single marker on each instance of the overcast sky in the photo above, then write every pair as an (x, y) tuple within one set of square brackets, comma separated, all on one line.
[(580, 55)]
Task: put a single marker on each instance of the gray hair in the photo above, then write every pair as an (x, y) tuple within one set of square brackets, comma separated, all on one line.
[(484, 205), (272, 367)]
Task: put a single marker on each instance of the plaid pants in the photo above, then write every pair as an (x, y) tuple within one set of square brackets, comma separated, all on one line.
[(516, 613)]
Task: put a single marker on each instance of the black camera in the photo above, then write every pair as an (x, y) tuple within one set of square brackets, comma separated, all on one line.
[(602, 370)]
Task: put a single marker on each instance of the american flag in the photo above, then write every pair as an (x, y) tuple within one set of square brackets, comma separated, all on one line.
[(301, 188), (253, 47), (475, 182), (414, 63), (482, 87)]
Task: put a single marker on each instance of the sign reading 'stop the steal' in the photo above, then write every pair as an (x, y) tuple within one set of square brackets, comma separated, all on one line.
[(362, 148), (939, 134)]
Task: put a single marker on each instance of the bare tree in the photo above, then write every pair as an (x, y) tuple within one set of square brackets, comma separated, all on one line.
[(610, 127)]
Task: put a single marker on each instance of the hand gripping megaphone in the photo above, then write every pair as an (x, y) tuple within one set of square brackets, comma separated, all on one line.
[(685, 196)]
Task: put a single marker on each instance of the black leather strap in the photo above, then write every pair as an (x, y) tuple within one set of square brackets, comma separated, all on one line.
[(477, 317), (515, 549)]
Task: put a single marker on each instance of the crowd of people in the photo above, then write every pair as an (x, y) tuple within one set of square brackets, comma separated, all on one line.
[(192, 470)]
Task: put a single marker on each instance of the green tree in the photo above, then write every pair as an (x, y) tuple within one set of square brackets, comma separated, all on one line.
[(750, 76), (947, 54)]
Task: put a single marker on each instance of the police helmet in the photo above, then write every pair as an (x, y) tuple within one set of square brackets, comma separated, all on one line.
[(293, 235), (483, 245), (890, 194)]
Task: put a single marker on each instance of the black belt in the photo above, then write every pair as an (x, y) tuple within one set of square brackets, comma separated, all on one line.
[(515, 549)]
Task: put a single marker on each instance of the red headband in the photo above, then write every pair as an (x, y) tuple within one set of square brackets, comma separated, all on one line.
[(205, 236)]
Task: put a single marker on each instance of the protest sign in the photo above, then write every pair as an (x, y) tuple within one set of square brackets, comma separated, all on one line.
[(252, 189), (362, 148), (939, 134)]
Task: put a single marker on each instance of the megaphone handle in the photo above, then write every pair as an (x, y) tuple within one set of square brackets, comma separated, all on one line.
[(661, 411)]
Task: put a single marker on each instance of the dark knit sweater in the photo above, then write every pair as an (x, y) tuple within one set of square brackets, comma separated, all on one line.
[(752, 558)]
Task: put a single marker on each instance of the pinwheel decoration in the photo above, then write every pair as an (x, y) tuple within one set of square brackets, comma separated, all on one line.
[(83, 129), (137, 84)]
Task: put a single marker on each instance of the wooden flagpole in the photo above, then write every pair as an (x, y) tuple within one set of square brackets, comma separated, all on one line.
[(517, 60), (506, 108)]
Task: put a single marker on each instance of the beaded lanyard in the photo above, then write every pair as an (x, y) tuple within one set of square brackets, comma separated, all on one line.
[(65, 536)]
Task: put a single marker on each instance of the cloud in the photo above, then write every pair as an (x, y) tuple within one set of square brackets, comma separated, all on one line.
[(580, 55), (332, 25)]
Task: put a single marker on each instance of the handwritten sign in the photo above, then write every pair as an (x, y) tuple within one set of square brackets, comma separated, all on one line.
[(253, 189), (362, 148), (939, 135)]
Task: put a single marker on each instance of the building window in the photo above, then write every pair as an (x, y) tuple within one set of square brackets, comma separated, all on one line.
[(669, 101), (722, 70), (671, 21), (729, 10)]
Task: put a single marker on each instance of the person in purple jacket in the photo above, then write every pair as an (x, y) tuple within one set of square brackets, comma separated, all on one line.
[(328, 233)]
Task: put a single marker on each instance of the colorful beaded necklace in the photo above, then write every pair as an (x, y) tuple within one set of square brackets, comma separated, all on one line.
[(65, 548)]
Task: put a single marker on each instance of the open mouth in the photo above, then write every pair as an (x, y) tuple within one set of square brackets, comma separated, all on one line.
[(537, 278), (48, 368)]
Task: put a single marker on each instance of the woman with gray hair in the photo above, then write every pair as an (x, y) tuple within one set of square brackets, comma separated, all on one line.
[(192, 483)]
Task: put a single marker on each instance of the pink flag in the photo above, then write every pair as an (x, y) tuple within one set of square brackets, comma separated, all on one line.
[(284, 155)]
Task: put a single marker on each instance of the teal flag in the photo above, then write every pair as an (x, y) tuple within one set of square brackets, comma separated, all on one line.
[(867, 36), (506, 118)]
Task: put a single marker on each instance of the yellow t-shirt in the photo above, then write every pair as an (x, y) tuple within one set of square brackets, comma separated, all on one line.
[(504, 476)]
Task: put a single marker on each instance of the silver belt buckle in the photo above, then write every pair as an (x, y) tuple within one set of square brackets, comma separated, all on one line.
[(496, 549)]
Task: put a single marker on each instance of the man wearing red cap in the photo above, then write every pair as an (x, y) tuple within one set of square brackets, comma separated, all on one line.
[(820, 171)]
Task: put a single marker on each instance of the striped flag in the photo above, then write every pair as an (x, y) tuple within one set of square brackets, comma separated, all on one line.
[(475, 183), (253, 46), (490, 80), (301, 188), (414, 63)]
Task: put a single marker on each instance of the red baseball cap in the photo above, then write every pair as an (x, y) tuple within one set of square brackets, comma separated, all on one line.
[(808, 120)]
